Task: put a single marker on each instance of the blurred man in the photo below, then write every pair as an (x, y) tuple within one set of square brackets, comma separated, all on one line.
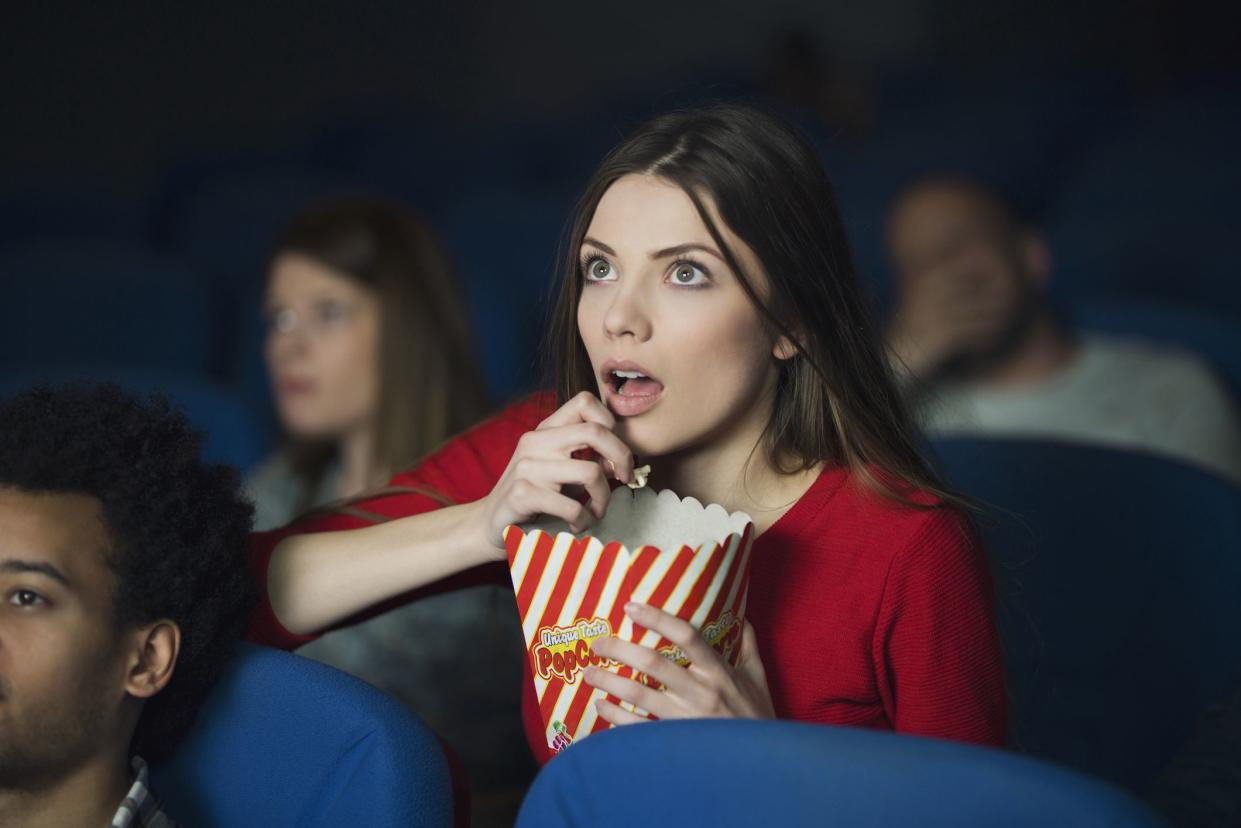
[(124, 588), (983, 352)]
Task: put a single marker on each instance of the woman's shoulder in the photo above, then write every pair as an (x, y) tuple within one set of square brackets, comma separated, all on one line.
[(468, 465), (530, 410), (275, 489), (518, 416), (880, 511), (923, 544), (846, 531)]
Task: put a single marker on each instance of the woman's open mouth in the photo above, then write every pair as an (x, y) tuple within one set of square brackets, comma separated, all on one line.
[(629, 390)]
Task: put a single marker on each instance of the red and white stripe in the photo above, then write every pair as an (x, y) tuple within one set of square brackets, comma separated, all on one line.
[(562, 580)]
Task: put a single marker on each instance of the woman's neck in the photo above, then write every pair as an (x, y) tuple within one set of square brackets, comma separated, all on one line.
[(359, 472), (736, 471), (755, 487)]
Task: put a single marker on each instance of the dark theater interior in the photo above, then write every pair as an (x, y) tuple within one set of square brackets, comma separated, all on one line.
[(394, 395)]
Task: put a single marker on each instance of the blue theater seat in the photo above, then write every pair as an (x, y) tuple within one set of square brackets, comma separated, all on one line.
[(1117, 576), (286, 741), (188, 175), (506, 243), (1146, 259), (72, 300), (35, 207), (229, 227), (1173, 161), (425, 162), (749, 773), (1150, 212)]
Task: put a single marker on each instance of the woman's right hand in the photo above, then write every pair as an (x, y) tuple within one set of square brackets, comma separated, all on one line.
[(317, 579), (542, 474)]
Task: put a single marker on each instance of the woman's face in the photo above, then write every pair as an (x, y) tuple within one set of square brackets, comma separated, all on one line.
[(322, 348), (659, 300)]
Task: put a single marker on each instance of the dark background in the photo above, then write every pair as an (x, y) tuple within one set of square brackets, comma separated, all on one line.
[(151, 153), (118, 92)]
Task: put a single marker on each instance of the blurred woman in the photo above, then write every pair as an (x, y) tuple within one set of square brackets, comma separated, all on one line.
[(372, 366), (369, 353)]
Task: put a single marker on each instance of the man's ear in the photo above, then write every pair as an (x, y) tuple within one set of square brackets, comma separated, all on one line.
[(1036, 256), (153, 656)]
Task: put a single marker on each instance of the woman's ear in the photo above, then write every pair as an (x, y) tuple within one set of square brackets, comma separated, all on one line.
[(784, 348), (153, 658)]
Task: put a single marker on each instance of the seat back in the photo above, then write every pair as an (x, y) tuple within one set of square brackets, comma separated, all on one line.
[(1117, 576), (728, 772), (286, 741)]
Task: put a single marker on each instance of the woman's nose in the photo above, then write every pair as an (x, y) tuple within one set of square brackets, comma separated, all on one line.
[(288, 344), (628, 315)]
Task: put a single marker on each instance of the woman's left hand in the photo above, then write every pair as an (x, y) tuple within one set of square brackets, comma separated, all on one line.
[(709, 687)]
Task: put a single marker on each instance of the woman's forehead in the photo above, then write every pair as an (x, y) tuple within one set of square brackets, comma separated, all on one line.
[(645, 211), (296, 274)]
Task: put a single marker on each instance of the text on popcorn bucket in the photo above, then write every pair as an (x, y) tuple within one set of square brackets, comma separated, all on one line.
[(563, 652)]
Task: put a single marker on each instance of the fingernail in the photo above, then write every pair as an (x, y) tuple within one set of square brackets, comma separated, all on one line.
[(632, 607)]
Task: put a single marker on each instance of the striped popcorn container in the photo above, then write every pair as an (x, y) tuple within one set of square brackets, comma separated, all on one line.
[(689, 560)]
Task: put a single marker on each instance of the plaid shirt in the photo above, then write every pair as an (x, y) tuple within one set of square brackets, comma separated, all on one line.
[(140, 808)]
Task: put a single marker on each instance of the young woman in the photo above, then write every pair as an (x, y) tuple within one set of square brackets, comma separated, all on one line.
[(372, 367), (368, 351), (710, 323)]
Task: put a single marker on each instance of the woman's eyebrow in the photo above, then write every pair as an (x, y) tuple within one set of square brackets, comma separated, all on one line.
[(677, 250), (599, 244), (667, 252)]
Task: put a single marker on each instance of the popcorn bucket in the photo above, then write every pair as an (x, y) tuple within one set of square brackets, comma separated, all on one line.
[(689, 560)]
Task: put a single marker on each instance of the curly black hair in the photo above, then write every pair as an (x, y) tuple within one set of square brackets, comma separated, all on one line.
[(178, 526)]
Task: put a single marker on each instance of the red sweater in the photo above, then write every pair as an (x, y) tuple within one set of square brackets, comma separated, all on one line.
[(866, 613)]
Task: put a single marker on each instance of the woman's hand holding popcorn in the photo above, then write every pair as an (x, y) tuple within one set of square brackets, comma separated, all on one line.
[(709, 687), (543, 476)]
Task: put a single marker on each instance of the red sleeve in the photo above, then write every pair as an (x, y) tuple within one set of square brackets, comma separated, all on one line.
[(462, 471), (936, 649)]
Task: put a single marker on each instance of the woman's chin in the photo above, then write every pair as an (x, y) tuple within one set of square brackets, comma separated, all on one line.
[(645, 439), (310, 430)]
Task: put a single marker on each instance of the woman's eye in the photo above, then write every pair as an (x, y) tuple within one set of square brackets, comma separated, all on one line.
[(599, 270), (688, 274), (282, 320), (26, 598), (331, 312)]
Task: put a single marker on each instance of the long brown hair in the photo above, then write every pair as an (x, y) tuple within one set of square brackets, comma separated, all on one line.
[(836, 400), (430, 385)]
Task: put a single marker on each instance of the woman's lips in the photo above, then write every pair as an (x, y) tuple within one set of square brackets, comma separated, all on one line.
[(292, 387), (623, 403), (629, 389)]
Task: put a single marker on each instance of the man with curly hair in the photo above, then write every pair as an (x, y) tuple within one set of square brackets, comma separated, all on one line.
[(123, 590)]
